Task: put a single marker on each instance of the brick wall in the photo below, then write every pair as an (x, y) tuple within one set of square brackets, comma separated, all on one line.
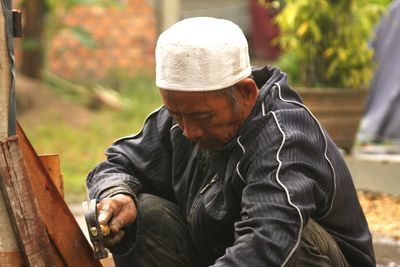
[(125, 38)]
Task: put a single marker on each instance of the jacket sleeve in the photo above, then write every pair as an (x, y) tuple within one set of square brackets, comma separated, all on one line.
[(138, 163), (286, 184)]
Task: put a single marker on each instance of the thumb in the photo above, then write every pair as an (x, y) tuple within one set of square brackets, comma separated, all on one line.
[(105, 212)]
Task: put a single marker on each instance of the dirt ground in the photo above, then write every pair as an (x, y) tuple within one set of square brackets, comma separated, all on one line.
[(36, 102)]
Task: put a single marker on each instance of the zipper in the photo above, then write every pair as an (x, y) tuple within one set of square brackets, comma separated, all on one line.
[(209, 184), (197, 201), (196, 205)]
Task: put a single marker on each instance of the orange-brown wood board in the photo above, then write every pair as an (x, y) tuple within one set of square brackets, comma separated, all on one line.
[(52, 164), (71, 247)]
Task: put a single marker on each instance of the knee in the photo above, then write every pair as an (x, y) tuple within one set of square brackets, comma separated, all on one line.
[(156, 214), (150, 208)]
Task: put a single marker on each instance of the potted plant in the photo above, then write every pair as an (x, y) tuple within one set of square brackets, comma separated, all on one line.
[(325, 49)]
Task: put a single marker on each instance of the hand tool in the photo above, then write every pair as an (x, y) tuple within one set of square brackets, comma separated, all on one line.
[(97, 232)]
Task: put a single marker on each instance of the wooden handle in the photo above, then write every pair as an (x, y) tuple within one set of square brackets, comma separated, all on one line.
[(105, 229)]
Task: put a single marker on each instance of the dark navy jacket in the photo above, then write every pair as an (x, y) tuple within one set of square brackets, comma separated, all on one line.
[(249, 207)]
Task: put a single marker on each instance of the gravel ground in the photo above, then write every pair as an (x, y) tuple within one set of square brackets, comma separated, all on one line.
[(382, 212), (383, 216)]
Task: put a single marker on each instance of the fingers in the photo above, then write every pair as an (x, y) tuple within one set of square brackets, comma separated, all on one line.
[(104, 216), (117, 224), (117, 211), (127, 209), (105, 229), (105, 211)]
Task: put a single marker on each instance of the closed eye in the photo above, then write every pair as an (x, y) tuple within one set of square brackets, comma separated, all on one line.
[(198, 117), (204, 118)]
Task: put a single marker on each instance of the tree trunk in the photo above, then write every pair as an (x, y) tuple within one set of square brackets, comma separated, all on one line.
[(33, 38)]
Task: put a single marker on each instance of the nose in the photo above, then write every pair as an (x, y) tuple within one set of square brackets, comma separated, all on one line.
[(191, 130)]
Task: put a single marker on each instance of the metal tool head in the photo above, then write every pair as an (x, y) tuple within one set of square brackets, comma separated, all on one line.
[(95, 231)]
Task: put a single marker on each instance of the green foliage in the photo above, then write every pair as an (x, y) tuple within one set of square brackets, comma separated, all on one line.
[(289, 63), (30, 44), (83, 36), (329, 40)]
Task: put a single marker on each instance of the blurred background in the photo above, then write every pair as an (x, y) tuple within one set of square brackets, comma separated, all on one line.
[(86, 69), (86, 77)]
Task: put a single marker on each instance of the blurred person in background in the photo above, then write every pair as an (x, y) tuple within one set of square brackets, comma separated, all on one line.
[(380, 127), (233, 169)]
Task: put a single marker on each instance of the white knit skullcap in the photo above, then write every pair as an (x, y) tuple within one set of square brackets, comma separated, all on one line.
[(201, 54)]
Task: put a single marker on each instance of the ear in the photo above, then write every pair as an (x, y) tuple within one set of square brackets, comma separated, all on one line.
[(247, 91)]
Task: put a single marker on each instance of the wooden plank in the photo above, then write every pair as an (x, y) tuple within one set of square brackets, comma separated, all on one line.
[(28, 226), (9, 250), (62, 227), (52, 164)]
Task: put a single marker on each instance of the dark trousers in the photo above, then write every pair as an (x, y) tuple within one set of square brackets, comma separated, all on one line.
[(160, 238)]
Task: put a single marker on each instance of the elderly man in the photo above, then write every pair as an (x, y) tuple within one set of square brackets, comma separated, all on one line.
[(233, 170)]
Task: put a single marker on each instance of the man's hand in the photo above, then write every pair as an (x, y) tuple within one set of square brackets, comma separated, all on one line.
[(117, 211)]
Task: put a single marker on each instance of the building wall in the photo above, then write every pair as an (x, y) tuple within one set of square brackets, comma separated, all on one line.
[(125, 40)]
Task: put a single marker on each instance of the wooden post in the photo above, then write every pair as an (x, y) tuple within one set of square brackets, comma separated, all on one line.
[(20, 200), (32, 59), (9, 250), (5, 77)]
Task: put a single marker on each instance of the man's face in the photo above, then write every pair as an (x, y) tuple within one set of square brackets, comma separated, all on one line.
[(211, 119)]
